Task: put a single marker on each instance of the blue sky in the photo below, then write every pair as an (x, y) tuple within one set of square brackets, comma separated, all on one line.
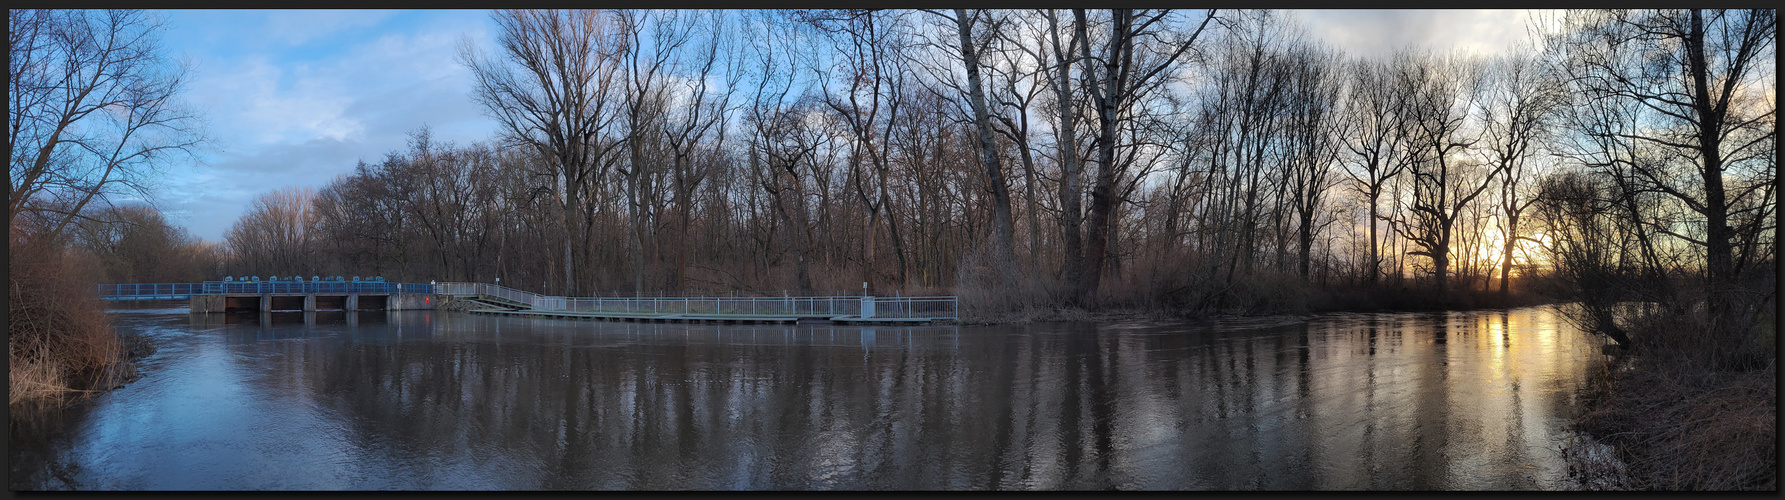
[(296, 98)]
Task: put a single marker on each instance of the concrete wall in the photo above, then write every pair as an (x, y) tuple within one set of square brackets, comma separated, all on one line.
[(403, 301), (206, 304)]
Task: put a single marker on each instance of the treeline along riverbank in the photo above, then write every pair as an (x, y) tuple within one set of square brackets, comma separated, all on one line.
[(1032, 162)]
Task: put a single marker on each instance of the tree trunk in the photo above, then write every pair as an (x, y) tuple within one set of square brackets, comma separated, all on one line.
[(1103, 196), (569, 229), (1375, 248), (1506, 256), (1071, 191), (1718, 261), (1002, 232)]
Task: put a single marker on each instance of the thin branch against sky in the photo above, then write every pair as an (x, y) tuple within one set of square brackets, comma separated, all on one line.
[(299, 97)]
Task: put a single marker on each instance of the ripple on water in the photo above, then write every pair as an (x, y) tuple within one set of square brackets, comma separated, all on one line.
[(437, 400)]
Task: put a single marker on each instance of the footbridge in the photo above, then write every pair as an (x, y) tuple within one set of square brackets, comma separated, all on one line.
[(337, 293), (494, 299)]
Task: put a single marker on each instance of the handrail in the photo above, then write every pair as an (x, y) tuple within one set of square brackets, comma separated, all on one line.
[(938, 307), (258, 287)]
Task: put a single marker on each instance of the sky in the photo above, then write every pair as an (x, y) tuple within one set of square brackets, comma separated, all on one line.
[(298, 98)]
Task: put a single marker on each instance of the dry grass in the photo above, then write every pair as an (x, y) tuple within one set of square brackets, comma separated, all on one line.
[(1694, 405), (988, 297), (60, 343), (1682, 431)]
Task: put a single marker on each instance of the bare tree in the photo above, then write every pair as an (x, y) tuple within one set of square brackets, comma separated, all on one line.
[(276, 234), (700, 114), (1517, 107), (92, 111), (1377, 142), (1699, 79), (872, 48), (1071, 190), (1313, 132), (974, 30), (1130, 69), (1577, 211), (551, 90), (1445, 181), (134, 243)]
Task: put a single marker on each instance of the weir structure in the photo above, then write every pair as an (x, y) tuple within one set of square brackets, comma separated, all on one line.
[(296, 294)]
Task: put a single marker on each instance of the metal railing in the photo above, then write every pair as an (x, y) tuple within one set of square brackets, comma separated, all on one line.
[(917, 307), (130, 290), (527, 298), (168, 290), (882, 307)]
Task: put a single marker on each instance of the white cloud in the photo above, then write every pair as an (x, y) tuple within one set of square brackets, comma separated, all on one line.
[(265, 103), (1377, 33), (299, 116)]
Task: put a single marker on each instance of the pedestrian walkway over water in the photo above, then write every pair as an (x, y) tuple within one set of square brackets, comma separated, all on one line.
[(318, 293), (787, 309)]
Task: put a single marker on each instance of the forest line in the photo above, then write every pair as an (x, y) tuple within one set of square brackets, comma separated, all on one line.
[(1202, 161)]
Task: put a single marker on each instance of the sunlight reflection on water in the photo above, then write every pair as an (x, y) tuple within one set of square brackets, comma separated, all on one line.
[(436, 400)]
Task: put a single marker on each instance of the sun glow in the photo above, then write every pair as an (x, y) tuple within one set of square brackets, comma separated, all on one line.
[(1526, 254)]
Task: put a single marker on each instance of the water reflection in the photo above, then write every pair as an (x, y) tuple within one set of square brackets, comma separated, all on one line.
[(420, 400)]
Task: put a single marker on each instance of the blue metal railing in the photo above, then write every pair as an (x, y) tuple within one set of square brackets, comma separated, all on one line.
[(138, 291)]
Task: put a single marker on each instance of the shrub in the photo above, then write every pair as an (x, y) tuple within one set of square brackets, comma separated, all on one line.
[(61, 342)]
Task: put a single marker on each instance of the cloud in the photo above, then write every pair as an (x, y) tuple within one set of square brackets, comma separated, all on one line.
[(1378, 33), (300, 112), (216, 195), (260, 102)]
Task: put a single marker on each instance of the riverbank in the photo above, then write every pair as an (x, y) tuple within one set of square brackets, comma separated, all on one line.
[(1348, 301), (1680, 416), (61, 345)]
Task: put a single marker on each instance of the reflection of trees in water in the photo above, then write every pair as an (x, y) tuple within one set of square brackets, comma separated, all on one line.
[(636, 406)]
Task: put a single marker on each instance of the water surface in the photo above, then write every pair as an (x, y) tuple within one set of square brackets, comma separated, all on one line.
[(439, 400)]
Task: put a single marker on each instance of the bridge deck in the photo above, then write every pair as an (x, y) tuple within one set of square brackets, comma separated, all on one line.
[(146, 297), (705, 318), (493, 299), (674, 318)]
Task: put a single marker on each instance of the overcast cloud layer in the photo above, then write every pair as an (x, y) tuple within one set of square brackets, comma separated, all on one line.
[(296, 98)]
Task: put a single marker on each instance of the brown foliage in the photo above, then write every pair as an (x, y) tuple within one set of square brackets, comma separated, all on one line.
[(1681, 429), (1696, 406), (61, 342)]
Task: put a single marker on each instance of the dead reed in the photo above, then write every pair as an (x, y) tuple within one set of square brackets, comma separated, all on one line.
[(60, 342), (1695, 406)]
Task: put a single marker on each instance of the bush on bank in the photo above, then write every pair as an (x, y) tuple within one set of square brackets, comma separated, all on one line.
[(60, 342), (1694, 406)]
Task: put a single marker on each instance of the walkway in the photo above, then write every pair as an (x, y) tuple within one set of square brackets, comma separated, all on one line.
[(843, 309), (275, 293)]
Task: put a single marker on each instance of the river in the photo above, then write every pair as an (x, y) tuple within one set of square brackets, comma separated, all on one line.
[(1475, 400)]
